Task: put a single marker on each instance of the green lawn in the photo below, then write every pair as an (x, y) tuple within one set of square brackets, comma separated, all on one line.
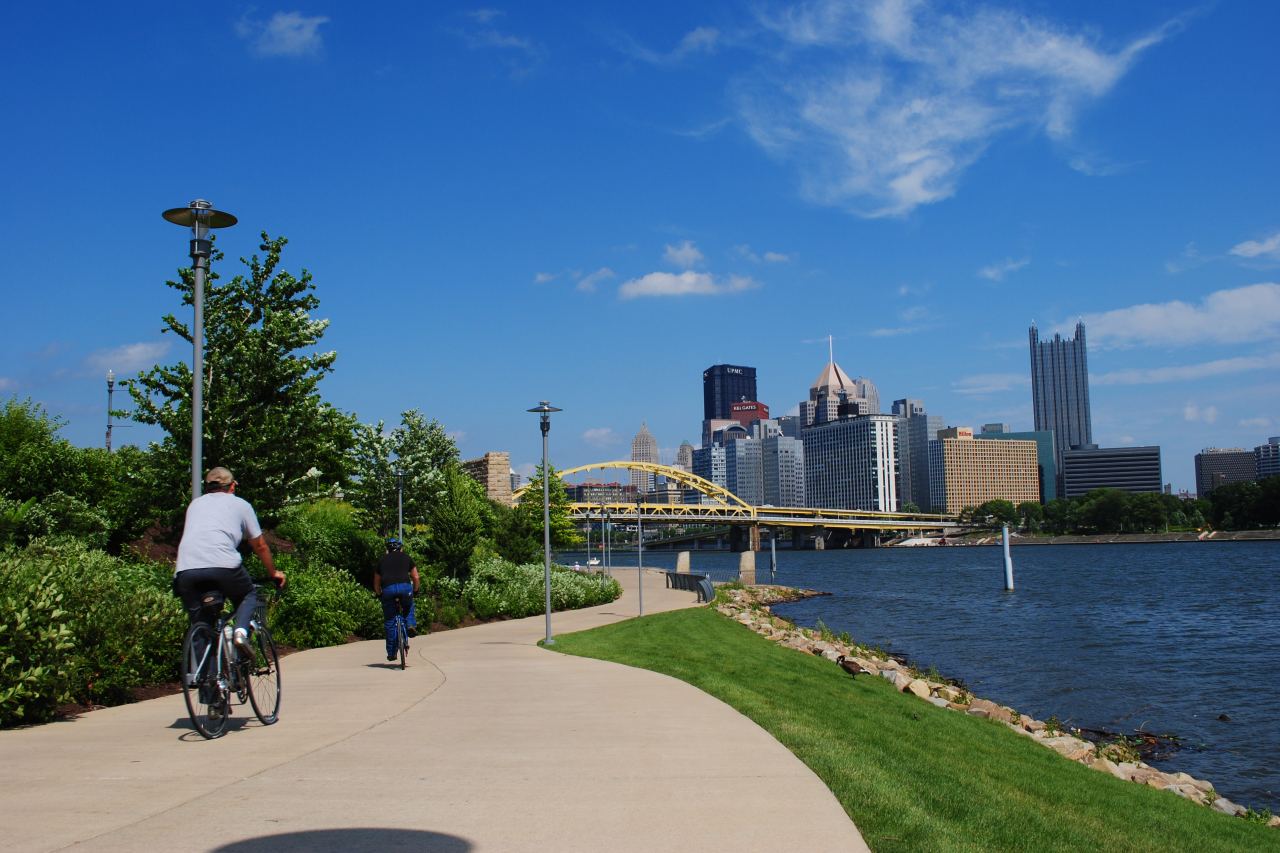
[(913, 776)]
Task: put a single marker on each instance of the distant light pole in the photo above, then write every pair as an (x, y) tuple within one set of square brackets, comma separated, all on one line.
[(605, 533), (111, 387), (588, 537), (200, 217), (640, 550), (545, 409)]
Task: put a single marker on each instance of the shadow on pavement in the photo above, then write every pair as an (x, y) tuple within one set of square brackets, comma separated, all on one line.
[(355, 840)]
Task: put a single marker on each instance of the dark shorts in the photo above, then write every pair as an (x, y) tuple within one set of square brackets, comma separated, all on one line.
[(194, 587)]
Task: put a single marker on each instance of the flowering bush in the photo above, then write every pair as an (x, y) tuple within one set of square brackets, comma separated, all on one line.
[(499, 588)]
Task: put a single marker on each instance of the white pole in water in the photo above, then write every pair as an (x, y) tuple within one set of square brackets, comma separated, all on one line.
[(1008, 562), (773, 554)]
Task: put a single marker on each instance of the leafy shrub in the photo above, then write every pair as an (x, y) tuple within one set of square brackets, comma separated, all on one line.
[(322, 606), (34, 641), (125, 627), (61, 514), (499, 588), (326, 532)]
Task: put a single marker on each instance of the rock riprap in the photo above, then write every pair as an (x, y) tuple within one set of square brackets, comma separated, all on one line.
[(749, 606)]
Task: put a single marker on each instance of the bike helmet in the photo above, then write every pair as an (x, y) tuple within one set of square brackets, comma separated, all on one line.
[(394, 544)]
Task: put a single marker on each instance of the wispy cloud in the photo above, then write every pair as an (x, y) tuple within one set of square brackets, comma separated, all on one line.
[(523, 54), (1189, 258), (544, 277), (745, 251), (127, 358), (684, 255), (1262, 423), (7, 384), (700, 40), (1199, 414), (1268, 248), (998, 270), (601, 437), (687, 283), (990, 383), (290, 34), (1187, 372), (588, 282), (1241, 315), (912, 317), (883, 106)]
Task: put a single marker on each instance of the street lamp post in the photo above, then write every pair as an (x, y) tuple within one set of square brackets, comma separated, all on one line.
[(640, 551), (111, 387), (545, 409), (200, 217), (608, 566)]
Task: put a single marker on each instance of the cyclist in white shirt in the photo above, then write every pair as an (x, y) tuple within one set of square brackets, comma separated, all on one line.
[(209, 556)]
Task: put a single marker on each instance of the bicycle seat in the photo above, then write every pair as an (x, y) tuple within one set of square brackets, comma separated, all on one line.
[(211, 602)]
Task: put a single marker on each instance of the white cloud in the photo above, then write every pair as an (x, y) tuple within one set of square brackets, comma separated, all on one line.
[(588, 282), (776, 258), (883, 106), (1193, 412), (522, 54), (1190, 257), (746, 251), (998, 270), (696, 41), (684, 255), (484, 16), (601, 437), (283, 34), (1187, 372), (1241, 315), (1268, 248), (687, 283), (544, 277), (990, 383), (1256, 423), (892, 332), (127, 358)]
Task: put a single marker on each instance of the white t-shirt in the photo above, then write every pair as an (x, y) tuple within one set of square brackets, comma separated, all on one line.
[(216, 525)]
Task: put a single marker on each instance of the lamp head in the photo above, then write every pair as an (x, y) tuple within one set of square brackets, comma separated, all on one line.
[(200, 217), (111, 378)]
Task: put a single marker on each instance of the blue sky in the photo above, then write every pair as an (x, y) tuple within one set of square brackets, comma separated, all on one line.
[(590, 203)]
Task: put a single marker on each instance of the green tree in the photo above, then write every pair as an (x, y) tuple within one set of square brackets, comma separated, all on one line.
[(1032, 515), (420, 448), (1146, 513), (564, 532), (1104, 511), (1234, 506), (515, 534), (455, 521), (997, 512), (264, 417)]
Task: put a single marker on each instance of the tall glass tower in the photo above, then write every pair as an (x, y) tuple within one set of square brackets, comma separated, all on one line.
[(722, 386), (1060, 391)]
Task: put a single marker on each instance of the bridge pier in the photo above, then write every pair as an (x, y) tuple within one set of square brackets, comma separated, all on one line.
[(868, 538), (820, 539), (798, 536)]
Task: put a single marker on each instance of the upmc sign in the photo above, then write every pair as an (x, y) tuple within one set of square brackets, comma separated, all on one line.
[(734, 370)]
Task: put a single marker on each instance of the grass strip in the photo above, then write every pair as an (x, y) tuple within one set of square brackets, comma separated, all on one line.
[(910, 775)]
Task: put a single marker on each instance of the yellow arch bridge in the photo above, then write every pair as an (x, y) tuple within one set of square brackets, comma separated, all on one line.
[(722, 507)]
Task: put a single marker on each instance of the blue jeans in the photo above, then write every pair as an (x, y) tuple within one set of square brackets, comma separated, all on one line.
[(390, 595)]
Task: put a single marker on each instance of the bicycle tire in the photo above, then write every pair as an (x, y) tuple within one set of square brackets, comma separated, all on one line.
[(207, 704), (403, 635), (264, 678)]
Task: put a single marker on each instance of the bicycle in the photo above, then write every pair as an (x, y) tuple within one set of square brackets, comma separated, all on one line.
[(214, 670), (402, 632)]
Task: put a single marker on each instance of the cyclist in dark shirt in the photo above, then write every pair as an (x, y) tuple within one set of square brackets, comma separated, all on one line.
[(395, 579)]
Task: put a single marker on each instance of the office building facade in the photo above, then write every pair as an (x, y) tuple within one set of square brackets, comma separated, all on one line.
[(1266, 458), (743, 474), (782, 464), (834, 396), (709, 464), (968, 473), (684, 457), (916, 428), (644, 448), (1048, 466), (852, 464), (1060, 390), (1217, 466), (722, 386), (1130, 469)]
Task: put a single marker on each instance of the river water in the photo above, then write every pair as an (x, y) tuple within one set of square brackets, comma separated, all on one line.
[(1164, 637)]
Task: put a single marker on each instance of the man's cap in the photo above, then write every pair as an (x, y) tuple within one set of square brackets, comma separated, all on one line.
[(219, 477)]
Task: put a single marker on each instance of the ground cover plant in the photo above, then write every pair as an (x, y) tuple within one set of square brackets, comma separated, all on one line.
[(912, 776)]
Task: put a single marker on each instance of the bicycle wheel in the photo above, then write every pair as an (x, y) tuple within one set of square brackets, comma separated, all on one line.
[(403, 635), (264, 677), (207, 703)]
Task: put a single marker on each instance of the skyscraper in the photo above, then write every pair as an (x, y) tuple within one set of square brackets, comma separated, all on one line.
[(852, 463), (1216, 466), (1060, 391), (722, 386), (644, 448), (684, 456), (916, 428)]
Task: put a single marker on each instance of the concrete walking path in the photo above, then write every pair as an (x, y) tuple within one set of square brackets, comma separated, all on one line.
[(485, 743)]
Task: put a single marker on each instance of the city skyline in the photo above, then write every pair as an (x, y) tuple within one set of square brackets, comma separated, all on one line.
[(508, 204)]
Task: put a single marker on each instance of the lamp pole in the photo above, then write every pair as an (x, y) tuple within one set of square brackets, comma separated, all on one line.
[(605, 533), (640, 551), (200, 217), (400, 502), (588, 537), (545, 409), (111, 387)]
